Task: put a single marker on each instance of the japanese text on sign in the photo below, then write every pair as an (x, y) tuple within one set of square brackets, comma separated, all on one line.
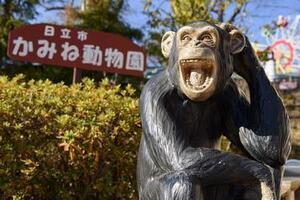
[(72, 47)]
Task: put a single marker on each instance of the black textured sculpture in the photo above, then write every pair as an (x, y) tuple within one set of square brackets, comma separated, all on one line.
[(187, 108)]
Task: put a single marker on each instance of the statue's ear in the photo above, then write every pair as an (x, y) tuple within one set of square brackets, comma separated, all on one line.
[(166, 43), (237, 41)]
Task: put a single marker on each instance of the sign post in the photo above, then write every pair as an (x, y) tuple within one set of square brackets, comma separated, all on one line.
[(77, 49), (76, 75)]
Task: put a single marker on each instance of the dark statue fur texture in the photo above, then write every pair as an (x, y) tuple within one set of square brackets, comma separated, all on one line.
[(183, 119)]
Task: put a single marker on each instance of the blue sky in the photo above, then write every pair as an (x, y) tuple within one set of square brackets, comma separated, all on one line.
[(259, 12)]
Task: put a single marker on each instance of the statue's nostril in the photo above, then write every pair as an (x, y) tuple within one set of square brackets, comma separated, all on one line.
[(197, 43)]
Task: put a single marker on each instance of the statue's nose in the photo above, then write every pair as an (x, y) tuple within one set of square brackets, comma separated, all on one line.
[(197, 43)]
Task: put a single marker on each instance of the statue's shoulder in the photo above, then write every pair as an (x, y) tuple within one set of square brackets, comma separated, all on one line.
[(157, 82), (156, 87)]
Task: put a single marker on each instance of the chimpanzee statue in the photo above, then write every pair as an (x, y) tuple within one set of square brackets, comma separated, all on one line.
[(186, 108)]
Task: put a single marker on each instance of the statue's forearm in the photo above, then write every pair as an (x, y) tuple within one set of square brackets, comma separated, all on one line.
[(267, 110), (267, 138)]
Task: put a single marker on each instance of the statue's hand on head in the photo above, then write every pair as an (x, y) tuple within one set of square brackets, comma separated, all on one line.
[(245, 62)]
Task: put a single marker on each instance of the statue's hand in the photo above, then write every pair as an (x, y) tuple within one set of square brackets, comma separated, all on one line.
[(267, 193), (246, 63)]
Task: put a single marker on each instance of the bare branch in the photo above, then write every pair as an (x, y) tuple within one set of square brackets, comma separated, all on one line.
[(60, 5), (236, 11), (214, 11), (54, 8), (221, 9), (211, 7)]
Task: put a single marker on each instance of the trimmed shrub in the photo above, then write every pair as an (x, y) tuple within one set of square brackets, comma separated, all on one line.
[(67, 142)]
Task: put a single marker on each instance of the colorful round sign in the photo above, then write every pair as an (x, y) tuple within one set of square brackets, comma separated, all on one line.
[(283, 53)]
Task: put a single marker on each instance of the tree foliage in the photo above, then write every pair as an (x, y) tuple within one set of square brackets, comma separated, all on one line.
[(107, 15), (189, 10)]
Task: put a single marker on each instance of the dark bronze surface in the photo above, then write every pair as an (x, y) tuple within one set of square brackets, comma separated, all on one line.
[(178, 156)]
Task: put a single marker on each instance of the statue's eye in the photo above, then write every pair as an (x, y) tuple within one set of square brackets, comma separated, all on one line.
[(186, 38), (207, 38)]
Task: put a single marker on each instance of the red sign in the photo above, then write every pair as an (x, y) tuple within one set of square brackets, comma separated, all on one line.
[(71, 47)]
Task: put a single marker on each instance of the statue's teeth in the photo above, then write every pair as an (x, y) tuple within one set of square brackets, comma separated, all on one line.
[(196, 78)]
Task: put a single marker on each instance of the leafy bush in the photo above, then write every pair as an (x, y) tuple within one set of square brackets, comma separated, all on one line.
[(67, 142)]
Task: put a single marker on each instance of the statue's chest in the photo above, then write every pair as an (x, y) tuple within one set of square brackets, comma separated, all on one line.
[(198, 124)]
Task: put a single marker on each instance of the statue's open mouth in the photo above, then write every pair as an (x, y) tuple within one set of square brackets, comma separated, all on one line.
[(197, 74)]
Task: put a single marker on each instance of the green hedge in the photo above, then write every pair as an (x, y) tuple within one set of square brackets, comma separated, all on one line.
[(67, 142)]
